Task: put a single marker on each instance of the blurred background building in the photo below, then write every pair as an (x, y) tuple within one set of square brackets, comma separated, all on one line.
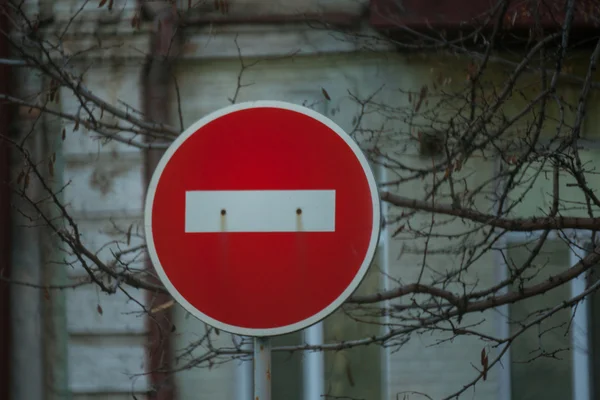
[(81, 344)]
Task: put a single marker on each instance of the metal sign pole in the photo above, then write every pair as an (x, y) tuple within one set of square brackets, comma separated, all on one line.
[(262, 368)]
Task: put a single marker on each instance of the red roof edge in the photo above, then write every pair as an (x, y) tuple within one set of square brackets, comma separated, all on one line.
[(455, 15)]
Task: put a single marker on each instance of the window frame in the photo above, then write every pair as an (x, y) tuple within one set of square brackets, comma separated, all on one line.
[(581, 357)]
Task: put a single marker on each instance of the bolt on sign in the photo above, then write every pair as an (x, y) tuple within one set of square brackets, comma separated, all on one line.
[(262, 218)]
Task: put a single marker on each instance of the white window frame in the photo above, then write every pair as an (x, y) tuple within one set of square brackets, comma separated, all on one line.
[(581, 360), (385, 284)]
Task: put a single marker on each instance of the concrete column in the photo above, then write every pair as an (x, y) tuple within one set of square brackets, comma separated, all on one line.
[(26, 307)]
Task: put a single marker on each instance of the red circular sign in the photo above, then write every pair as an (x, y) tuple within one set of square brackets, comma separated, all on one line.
[(262, 218)]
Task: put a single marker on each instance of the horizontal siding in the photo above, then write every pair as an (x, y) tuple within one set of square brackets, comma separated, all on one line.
[(216, 41), (219, 41), (88, 10), (236, 9), (107, 236), (109, 396), (105, 192), (107, 364), (119, 42), (289, 79), (93, 312), (117, 85), (249, 9), (105, 187)]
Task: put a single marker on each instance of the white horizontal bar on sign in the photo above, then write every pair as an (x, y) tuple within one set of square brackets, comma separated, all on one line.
[(209, 211)]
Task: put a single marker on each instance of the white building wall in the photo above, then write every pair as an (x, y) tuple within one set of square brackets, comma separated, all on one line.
[(104, 194)]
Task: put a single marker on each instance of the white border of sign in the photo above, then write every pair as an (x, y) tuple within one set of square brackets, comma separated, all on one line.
[(370, 254)]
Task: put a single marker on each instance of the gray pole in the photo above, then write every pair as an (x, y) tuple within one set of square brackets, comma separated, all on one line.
[(244, 371), (313, 364), (262, 368)]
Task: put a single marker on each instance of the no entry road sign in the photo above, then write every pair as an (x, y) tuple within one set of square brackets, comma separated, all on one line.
[(262, 218)]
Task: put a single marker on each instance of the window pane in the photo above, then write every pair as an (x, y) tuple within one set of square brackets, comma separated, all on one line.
[(354, 373), (532, 195), (534, 376), (286, 375)]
